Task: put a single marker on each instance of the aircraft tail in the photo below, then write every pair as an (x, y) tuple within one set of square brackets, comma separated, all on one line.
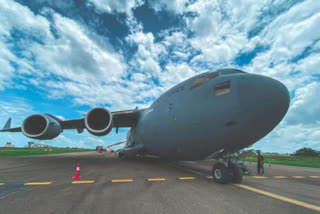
[(8, 124)]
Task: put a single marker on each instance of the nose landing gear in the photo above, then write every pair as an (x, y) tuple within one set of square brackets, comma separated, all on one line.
[(227, 172)]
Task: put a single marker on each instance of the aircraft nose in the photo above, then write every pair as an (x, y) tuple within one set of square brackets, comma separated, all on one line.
[(265, 99)]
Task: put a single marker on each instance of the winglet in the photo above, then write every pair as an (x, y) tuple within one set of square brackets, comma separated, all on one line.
[(8, 124)]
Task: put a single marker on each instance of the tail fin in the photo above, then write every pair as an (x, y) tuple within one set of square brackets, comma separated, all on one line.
[(8, 124)]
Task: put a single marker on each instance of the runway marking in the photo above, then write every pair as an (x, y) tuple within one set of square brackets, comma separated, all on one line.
[(280, 176), (279, 197), (298, 176), (259, 177), (83, 182), (156, 179), (121, 180), (37, 183), (209, 177), (186, 178), (314, 176)]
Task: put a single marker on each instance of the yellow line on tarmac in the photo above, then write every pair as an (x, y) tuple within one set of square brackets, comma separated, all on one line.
[(314, 176), (259, 176), (280, 176), (186, 178), (209, 177), (37, 183), (156, 179), (83, 182), (279, 197), (121, 180), (298, 176)]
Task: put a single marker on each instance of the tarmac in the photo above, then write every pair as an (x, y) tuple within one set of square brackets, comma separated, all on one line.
[(43, 184)]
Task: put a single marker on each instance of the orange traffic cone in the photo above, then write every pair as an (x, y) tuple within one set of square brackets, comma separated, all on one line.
[(77, 173)]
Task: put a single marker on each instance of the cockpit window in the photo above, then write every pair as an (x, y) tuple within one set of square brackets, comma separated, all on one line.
[(222, 88), (197, 82), (211, 76)]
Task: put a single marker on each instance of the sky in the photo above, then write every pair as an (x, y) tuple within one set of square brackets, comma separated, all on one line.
[(66, 57)]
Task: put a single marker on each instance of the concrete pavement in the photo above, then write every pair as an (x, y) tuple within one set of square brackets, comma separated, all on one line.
[(164, 192)]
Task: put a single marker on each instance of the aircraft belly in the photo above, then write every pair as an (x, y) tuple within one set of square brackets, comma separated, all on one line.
[(172, 141)]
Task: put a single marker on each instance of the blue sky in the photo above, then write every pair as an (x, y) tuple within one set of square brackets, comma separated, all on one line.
[(65, 57)]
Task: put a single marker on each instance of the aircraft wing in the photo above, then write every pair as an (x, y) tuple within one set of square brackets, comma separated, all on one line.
[(7, 128), (120, 119), (125, 118)]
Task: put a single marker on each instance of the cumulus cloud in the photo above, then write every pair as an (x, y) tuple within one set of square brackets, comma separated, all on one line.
[(303, 108), (176, 73), (77, 56), (116, 6), (175, 6), (288, 138), (16, 107), (63, 58), (221, 27), (57, 62)]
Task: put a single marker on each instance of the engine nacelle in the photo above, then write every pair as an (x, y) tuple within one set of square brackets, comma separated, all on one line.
[(98, 121), (42, 127)]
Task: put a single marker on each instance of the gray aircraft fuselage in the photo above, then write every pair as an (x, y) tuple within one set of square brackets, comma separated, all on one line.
[(223, 110)]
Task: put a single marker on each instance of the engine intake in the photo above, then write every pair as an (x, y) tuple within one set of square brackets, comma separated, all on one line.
[(41, 127), (98, 121)]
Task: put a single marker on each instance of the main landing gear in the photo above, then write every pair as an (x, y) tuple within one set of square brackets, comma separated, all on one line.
[(227, 172)]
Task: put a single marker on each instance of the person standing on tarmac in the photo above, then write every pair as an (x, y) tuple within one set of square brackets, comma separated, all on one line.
[(260, 164)]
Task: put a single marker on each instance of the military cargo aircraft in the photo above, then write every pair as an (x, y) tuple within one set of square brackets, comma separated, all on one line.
[(211, 115)]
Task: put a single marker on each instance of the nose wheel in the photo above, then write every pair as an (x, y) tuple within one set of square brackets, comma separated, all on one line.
[(224, 174)]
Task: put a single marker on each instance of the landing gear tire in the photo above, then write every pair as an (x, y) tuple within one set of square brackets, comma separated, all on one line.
[(237, 174), (222, 174)]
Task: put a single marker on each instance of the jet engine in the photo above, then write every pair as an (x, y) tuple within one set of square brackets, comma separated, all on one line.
[(98, 121), (41, 127)]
